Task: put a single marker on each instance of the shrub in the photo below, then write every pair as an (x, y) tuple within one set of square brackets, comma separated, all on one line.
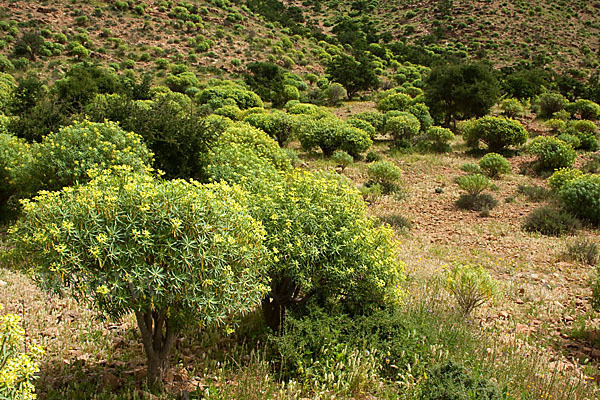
[(372, 157), (67, 156), (483, 202), (342, 159), (534, 192), (402, 127), (334, 94), (581, 197), (496, 132), (117, 246), (587, 109), (473, 184), (494, 165), (17, 368), (362, 125), (583, 250), (439, 138), (277, 124), (471, 168), (182, 81), (561, 176), (571, 140), (15, 154), (231, 112), (549, 221), (386, 174), (584, 126), (216, 97), (551, 103), (512, 108), (471, 286), (330, 134), (376, 119), (7, 86), (421, 112), (551, 153), (396, 102), (556, 125)]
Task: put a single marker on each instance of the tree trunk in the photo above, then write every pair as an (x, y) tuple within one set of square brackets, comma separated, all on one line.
[(158, 336), (284, 292)]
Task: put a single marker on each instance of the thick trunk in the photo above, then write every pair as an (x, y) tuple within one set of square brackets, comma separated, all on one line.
[(158, 337), (284, 292)]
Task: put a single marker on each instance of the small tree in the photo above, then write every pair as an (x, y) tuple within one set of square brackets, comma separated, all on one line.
[(163, 250), (354, 74)]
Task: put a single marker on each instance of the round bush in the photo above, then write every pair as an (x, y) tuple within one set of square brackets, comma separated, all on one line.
[(231, 112), (551, 103), (581, 197), (342, 159), (549, 221), (473, 184), (374, 118), (363, 125), (552, 153), (330, 134), (164, 250), (494, 165), (386, 174), (584, 126), (66, 157), (216, 96), (439, 138), (562, 176), (556, 125), (496, 132), (15, 155), (403, 126), (587, 109), (397, 102), (512, 108), (277, 124), (421, 111)]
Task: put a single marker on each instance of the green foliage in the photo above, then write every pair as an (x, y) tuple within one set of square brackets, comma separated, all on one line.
[(438, 138), (461, 91), (354, 74), (595, 284), (549, 221), (550, 103), (15, 155), (494, 165), (7, 86), (556, 125), (561, 176), (512, 108), (268, 80), (483, 202), (473, 184), (276, 124), (471, 286), (334, 94), (330, 134), (376, 119), (386, 174), (231, 111), (362, 125), (397, 102), (30, 45), (471, 168), (18, 369), (217, 96), (552, 153), (372, 156), (342, 159), (182, 81), (165, 250), (587, 109), (67, 156), (581, 196), (421, 112), (496, 132), (534, 193), (403, 127)]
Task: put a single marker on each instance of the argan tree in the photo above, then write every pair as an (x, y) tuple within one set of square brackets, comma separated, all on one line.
[(174, 253)]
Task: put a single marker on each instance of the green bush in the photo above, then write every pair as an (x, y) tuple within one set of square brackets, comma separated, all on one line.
[(334, 94), (581, 197), (471, 286), (216, 97), (376, 119), (386, 174), (551, 153), (561, 176), (18, 369), (277, 124), (403, 127), (471, 168), (330, 134), (571, 140), (115, 244), (438, 138), (556, 125), (232, 112), (550, 221), (483, 202), (67, 156), (534, 193), (550, 103), (7, 86), (473, 184), (421, 112), (494, 165), (587, 109), (584, 126), (512, 108), (182, 81), (15, 156), (342, 159), (362, 125), (496, 132), (396, 102)]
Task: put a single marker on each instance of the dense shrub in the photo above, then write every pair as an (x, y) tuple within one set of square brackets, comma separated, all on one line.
[(584, 126), (18, 369), (375, 118), (67, 156), (551, 103), (330, 134), (561, 176), (334, 94), (581, 197), (556, 125), (551, 153), (497, 133), (232, 112), (473, 184), (550, 221), (512, 108), (386, 174), (483, 202), (438, 138), (342, 159), (421, 112), (403, 127), (362, 125), (471, 286), (7, 85), (181, 82), (587, 109), (115, 244), (15, 155), (534, 192), (277, 124), (396, 102), (494, 165), (216, 97)]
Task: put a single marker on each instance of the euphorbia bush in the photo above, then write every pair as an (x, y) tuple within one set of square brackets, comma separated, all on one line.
[(494, 165), (385, 173), (15, 155), (496, 132), (552, 153), (18, 369), (331, 134), (581, 197), (164, 250), (403, 126), (562, 176), (277, 124), (65, 157), (217, 96), (398, 102)]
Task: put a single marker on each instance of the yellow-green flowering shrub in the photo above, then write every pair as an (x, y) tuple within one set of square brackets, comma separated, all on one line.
[(65, 157), (552, 153), (17, 369), (496, 132), (15, 154), (323, 245), (173, 252), (7, 86), (471, 285), (563, 175), (277, 124), (217, 96), (331, 134)]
